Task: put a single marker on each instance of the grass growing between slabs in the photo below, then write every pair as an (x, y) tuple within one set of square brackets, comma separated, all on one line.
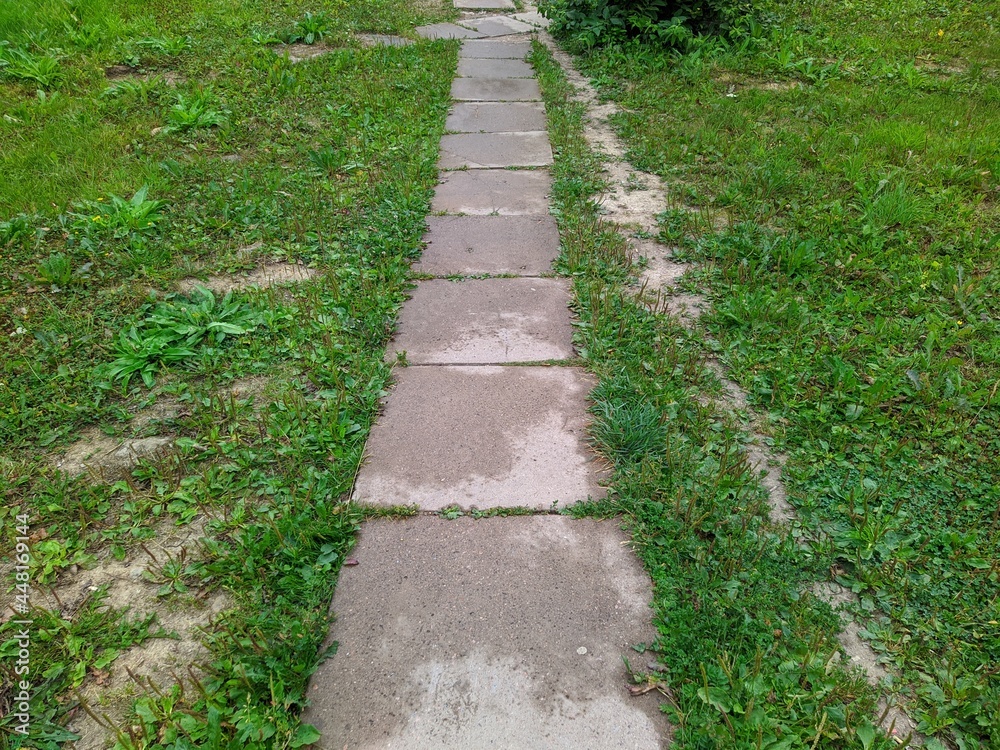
[(205, 153), (854, 151), (747, 656)]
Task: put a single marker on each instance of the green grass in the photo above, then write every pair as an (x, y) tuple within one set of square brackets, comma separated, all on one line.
[(203, 162), (745, 652), (853, 150)]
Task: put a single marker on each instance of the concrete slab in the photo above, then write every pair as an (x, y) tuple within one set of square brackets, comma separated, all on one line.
[(497, 633), (485, 321), (484, 4), (534, 18), (468, 245), (447, 31), (495, 50), (482, 436), (495, 90), (495, 150), (475, 67), (498, 25), (495, 117), (496, 191)]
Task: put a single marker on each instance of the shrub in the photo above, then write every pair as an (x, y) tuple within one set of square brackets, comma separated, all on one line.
[(590, 23)]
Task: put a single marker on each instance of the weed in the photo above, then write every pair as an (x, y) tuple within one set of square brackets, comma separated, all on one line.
[(197, 110), (44, 70), (174, 330)]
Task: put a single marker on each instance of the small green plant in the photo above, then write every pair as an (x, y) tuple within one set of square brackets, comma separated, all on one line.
[(57, 271), (166, 45), (44, 70), (311, 28), (171, 574), (326, 160), (195, 111), (174, 330), (121, 217)]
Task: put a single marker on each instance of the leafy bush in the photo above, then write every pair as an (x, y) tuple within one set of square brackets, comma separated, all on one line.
[(590, 23)]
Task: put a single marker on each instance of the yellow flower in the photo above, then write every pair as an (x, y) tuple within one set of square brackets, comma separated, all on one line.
[(940, 32), (961, 323)]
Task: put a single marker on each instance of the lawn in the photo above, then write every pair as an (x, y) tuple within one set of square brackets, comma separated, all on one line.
[(834, 178), (148, 148)]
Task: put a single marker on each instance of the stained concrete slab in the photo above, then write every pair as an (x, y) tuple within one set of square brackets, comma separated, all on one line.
[(484, 4), (476, 67), (495, 50), (495, 150), (498, 25), (495, 89), (493, 633), (447, 31), (495, 117), (485, 321), (482, 436), (495, 191), (468, 245)]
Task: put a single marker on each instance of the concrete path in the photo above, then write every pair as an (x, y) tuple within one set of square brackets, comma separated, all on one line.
[(501, 632)]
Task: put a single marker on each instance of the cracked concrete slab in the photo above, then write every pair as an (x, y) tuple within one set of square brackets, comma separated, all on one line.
[(495, 90), (495, 191), (495, 50), (534, 18), (475, 67), (495, 150), (470, 245), (484, 437), (496, 117), (447, 31), (484, 4), (498, 25), (485, 321), (492, 633)]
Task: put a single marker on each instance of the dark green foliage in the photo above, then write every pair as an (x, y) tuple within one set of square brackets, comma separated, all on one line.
[(590, 23)]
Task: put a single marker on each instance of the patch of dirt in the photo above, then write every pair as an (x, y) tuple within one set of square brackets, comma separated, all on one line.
[(108, 457), (263, 277), (110, 693), (299, 52), (124, 72), (383, 40), (776, 86), (893, 718)]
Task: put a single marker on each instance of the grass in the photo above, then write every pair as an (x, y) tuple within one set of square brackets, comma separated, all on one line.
[(201, 161), (833, 170)]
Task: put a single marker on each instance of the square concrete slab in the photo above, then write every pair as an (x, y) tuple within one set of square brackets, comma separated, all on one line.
[(495, 150), (484, 4), (484, 437), (498, 25), (495, 117), (485, 321), (447, 31), (468, 245), (495, 50), (495, 90), (476, 67), (494, 191), (502, 633)]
